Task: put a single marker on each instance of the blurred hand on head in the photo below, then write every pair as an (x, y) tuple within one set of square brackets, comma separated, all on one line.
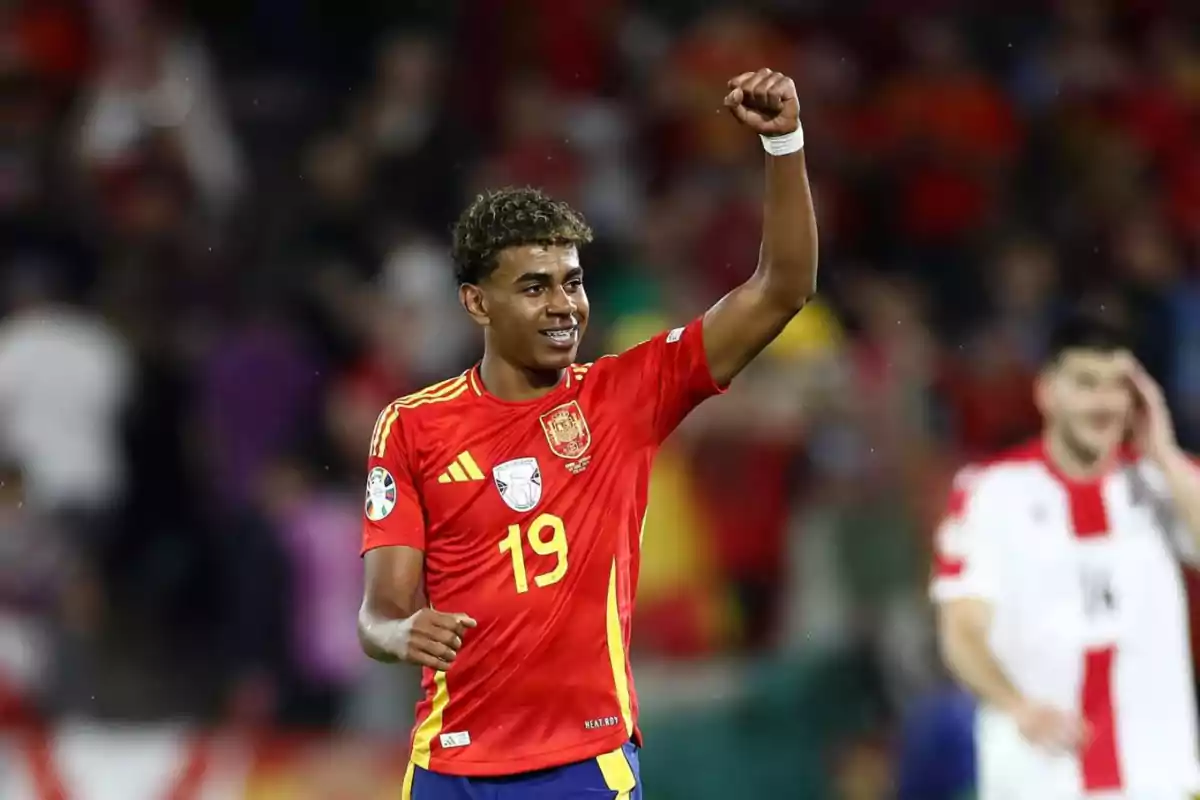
[(1153, 429)]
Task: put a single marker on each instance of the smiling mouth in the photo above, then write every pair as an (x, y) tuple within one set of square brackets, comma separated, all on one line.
[(562, 336)]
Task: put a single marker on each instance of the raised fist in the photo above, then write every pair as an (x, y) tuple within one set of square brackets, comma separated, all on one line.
[(764, 101)]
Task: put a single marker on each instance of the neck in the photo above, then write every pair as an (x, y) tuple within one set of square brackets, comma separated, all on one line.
[(1073, 463), (513, 383)]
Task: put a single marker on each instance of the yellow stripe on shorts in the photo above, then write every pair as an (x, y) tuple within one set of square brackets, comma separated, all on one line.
[(618, 775)]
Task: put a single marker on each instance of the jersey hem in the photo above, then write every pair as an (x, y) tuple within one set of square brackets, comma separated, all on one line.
[(376, 545), (533, 763)]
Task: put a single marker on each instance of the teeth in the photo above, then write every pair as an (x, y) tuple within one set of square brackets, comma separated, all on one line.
[(561, 336)]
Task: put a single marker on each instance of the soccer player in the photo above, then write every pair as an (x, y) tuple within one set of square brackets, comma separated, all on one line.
[(1061, 603), (504, 506)]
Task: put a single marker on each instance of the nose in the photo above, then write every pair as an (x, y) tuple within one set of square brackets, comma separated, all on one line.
[(560, 303)]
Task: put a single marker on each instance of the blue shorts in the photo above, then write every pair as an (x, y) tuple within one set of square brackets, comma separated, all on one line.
[(612, 776)]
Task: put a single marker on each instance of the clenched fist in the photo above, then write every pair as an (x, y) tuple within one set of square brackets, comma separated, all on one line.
[(428, 638), (765, 102)]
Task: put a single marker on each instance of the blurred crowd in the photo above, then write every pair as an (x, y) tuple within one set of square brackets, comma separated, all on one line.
[(223, 248)]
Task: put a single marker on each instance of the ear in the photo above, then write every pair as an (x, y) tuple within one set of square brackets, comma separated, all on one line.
[(474, 302), (1043, 391)]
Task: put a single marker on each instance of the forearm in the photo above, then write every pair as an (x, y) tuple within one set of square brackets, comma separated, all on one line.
[(1183, 482), (966, 653), (379, 621), (394, 591), (374, 632), (787, 262)]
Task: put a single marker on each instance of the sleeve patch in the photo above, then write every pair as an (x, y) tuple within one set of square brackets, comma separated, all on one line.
[(675, 335), (381, 494)]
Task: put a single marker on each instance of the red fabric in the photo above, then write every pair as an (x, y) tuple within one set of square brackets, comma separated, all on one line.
[(1099, 759), (945, 565), (544, 555), (34, 740)]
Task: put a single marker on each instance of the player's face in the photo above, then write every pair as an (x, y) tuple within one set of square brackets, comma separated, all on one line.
[(537, 308), (1086, 399)]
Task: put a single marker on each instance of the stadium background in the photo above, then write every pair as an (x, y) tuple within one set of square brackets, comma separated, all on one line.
[(223, 250)]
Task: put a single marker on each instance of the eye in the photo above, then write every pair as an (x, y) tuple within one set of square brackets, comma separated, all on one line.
[(574, 284), (533, 290)]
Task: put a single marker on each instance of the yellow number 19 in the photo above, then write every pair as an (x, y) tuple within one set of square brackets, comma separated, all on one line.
[(556, 546)]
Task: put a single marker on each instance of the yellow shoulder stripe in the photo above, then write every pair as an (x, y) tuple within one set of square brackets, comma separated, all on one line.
[(437, 393), (383, 429), (436, 390), (445, 395)]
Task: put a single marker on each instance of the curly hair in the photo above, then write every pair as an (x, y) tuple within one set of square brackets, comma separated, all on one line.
[(511, 217)]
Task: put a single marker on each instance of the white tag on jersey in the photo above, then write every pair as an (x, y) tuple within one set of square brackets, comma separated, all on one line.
[(455, 739)]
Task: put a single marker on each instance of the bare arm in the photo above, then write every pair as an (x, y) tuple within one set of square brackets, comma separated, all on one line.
[(393, 591), (1183, 482), (963, 627), (1155, 434), (746, 320), (395, 622)]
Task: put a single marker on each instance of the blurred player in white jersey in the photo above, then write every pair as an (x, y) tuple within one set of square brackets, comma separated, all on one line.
[(1061, 602)]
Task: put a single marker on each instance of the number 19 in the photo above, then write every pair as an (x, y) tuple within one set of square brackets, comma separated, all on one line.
[(556, 546)]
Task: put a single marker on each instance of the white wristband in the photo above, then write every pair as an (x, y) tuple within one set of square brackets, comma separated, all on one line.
[(784, 144)]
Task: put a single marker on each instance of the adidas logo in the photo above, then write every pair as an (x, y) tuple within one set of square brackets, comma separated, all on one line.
[(464, 468)]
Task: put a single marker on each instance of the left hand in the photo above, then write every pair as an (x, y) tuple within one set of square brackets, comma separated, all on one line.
[(765, 102), (1153, 430)]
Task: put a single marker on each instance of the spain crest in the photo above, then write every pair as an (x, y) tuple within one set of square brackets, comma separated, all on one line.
[(567, 431)]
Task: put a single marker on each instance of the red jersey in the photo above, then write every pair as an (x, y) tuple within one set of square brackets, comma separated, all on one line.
[(530, 517)]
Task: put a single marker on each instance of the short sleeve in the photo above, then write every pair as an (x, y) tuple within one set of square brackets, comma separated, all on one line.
[(1184, 542), (1150, 485), (1182, 538), (671, 376), (1185, 539), (392, 513), (965, 545)]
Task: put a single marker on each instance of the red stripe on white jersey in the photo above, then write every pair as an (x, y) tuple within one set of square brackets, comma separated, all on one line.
[(1099, 757), (1089, 518), (946, 567), (1099, 760)]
